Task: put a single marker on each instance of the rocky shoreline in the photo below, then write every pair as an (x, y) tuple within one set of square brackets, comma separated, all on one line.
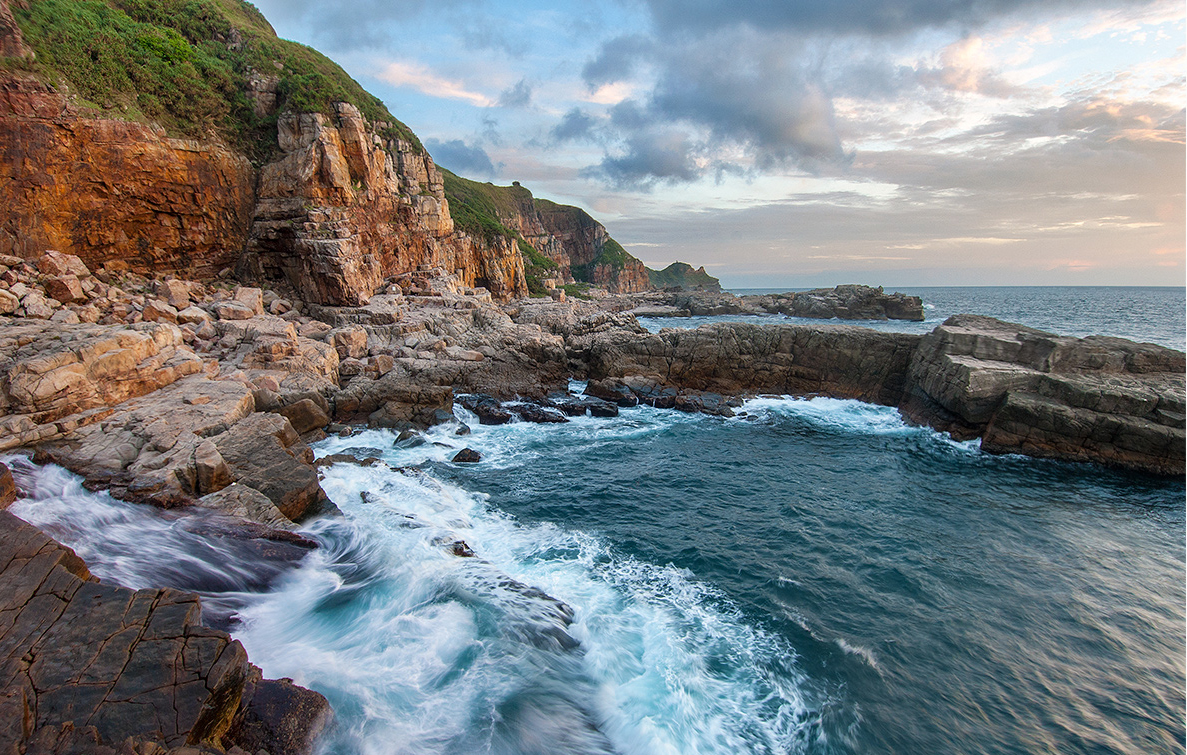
[(185, 394), (845, 302)]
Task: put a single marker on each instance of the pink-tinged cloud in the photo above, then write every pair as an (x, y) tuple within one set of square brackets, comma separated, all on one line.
[(425, 81)]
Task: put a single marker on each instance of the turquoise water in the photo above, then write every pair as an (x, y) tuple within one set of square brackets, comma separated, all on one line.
[(812, 576), (1139, 313)]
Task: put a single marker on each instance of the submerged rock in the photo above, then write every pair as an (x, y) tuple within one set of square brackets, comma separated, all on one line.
[(467, 456)]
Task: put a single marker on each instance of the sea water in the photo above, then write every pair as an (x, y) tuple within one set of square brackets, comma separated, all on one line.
[(1151, 314), (811, 576)]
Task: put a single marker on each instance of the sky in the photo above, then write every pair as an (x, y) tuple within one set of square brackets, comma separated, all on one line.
[(785, 143)]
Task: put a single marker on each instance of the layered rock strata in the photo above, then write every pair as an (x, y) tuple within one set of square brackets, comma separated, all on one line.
[(90, 667), (1026, 391), (343, 208)]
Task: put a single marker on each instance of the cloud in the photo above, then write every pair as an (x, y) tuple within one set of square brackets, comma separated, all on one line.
[(576, 125), (461, 158), (654, 154), (617, 60), (732, 102), (425, 81), (518, 96), (863, 17)]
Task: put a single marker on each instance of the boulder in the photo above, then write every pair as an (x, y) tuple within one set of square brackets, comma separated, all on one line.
[(613, 391), (37, 306), (8, 303), (252, 298), (245, 502), (173, 292), (467, 456), (57, 263), (156, 310), (536, 413), (350, 343), (232, 310), (193, 316), (488, 409), (264, 452), (64, 288), (305, 415), (281, 718)]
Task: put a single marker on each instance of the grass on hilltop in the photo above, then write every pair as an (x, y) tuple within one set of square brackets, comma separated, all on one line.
[(185, 64)]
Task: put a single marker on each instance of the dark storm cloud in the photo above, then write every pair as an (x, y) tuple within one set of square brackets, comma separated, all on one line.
[(617, 60), (518, 96), (741, 93), (576, 125), (864, 17), (658, 154), (461, 158)]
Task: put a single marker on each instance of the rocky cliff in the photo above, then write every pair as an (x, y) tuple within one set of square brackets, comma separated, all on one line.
[(332, 201), (343, 208), (681, 275), (561, 243)]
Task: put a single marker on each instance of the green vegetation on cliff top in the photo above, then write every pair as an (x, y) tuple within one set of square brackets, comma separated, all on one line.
[(479, 209), (682, 275), (186, 65)]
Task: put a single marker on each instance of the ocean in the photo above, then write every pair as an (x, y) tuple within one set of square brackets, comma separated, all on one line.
[(1148, 314), (811, 576)]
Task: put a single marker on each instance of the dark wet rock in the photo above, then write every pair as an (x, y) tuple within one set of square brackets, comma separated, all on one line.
[(462, 429), (409, 439), (126, 662), (467, 456), (578, 406), (613, 391), (456, 547), (348, 458), (705, 403), (488, 409), (538, 414), (280, 718), (8, 491)]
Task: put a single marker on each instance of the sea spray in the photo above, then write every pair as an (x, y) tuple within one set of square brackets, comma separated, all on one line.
[(440, 652)]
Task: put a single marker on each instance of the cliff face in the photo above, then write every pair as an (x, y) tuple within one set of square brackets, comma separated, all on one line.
[(566, 244), (115, 191), (343, 208), (334, 203), (339, 210)]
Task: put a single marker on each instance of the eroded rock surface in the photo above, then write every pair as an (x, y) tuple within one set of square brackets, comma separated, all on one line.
[(1027, 391)]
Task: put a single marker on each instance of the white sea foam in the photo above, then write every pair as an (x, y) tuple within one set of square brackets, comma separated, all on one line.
[(418, 647)]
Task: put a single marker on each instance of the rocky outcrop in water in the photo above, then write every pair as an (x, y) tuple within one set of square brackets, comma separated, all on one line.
[(847, 302), (91, 667), (1026, 391), (744, 359)]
